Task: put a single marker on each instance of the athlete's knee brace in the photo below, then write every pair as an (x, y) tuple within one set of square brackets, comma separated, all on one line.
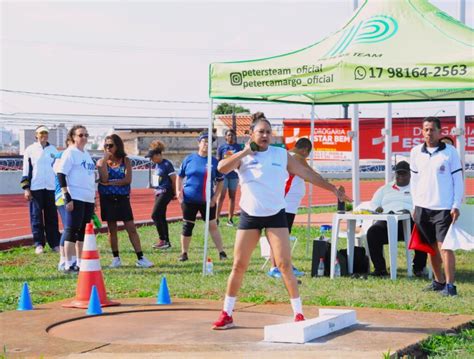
[(187, 229)]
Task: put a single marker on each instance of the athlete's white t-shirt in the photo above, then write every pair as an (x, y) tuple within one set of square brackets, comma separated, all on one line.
[(79, 169), (262, 177)]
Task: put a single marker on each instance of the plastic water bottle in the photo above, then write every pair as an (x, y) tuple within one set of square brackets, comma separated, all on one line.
[(96, 221), (209, 267), (337, 269), (321, 267)]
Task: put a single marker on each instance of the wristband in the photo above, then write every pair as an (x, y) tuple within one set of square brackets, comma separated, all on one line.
[(67, 197)]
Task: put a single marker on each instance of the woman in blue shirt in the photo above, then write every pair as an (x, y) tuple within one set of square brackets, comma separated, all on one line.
[(191, 193), (115, 175), (164, 183)]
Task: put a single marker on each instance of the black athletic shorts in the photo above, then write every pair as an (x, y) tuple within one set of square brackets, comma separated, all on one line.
[(290, 218), (115, 208), (190, 211), (432, 224), (253, 222)]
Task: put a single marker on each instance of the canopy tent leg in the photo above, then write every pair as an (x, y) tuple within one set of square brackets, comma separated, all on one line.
[(310, 187), (354, 134), (387, 132), (208, 186), (461, 111)]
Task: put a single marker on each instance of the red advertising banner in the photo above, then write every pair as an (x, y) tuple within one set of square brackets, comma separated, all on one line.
[(332, 142)]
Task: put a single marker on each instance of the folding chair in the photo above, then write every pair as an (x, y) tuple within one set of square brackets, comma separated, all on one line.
[(265, 249)]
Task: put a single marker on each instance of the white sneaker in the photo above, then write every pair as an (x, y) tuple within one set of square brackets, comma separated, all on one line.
[(39, 249), (144, 263), (62, 266), (116, 262)]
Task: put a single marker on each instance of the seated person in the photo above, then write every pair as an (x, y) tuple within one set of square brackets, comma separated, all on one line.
[(391, 198)]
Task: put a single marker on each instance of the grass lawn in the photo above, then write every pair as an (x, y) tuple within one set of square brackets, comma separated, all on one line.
[(186, 281)]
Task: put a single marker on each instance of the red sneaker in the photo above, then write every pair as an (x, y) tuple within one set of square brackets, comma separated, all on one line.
[(299, 317), (224, 322)]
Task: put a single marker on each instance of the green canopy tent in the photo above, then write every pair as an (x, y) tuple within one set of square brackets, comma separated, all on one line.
[(389, 51)]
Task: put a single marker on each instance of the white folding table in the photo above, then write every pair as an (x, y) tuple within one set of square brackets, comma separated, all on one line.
[(392, 227)]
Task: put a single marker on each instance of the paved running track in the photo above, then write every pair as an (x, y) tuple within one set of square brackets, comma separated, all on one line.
[(14, 216)]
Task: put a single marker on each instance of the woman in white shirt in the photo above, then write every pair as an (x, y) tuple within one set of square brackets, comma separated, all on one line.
[(76, 177), (262, 171)]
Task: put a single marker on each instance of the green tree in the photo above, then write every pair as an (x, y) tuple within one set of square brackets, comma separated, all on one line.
[(227, 109)]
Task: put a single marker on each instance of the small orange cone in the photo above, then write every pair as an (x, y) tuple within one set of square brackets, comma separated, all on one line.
[(90, 274)]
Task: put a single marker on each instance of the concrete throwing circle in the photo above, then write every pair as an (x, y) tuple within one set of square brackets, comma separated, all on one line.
[(166, 327)]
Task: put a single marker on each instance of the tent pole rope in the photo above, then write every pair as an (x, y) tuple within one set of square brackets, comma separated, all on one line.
[(208, 187), (310, 187)]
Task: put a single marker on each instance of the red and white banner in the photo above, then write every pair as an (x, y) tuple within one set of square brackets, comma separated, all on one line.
[(331, 140)]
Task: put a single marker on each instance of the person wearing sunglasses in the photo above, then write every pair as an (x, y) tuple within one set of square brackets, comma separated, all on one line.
[(38, 184), (191, 193), (76, 176), (115, 176), (61, 207), (164, 183)]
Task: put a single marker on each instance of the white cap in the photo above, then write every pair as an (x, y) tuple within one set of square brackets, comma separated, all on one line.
[(42, 129)]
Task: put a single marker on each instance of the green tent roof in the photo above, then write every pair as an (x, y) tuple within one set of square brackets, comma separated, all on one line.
[(391, 50)]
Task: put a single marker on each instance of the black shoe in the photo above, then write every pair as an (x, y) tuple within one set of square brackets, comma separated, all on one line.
[(183, 257), (222, 255), (230, 223), (449, 291), (72, 270), (379, 273), (434, 287), (418, 273)]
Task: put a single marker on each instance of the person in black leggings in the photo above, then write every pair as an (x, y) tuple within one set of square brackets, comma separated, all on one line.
[(164, 183)]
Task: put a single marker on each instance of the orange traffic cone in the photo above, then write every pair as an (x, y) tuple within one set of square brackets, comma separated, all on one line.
[(90, 274)]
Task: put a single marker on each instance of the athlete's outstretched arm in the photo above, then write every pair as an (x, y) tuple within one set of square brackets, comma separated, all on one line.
[(309, 175)]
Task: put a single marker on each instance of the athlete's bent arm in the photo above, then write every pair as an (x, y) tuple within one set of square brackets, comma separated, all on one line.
[(233, 162)]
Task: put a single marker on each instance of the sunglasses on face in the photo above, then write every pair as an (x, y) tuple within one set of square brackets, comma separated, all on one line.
[(109, 145), (82, 135)]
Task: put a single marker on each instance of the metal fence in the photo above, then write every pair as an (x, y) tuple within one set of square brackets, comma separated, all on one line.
[(16, 164)]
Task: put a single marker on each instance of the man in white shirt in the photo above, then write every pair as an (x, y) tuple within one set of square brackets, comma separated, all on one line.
[(392, 197), (438, 188), (38, 183)]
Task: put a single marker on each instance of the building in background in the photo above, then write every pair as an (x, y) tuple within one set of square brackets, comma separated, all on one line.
[(179, 141), (6, 136)]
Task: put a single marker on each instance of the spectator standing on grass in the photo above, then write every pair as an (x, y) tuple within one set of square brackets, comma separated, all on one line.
[(392, 197), (231, 179), (76, 176), (191, 193), (61, 206), (38, 184), (295, 190), (262, 170), (115, 177), (437, 186), (164, 183)]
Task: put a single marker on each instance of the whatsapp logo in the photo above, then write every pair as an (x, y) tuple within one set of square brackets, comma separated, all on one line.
[(375, 29)]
